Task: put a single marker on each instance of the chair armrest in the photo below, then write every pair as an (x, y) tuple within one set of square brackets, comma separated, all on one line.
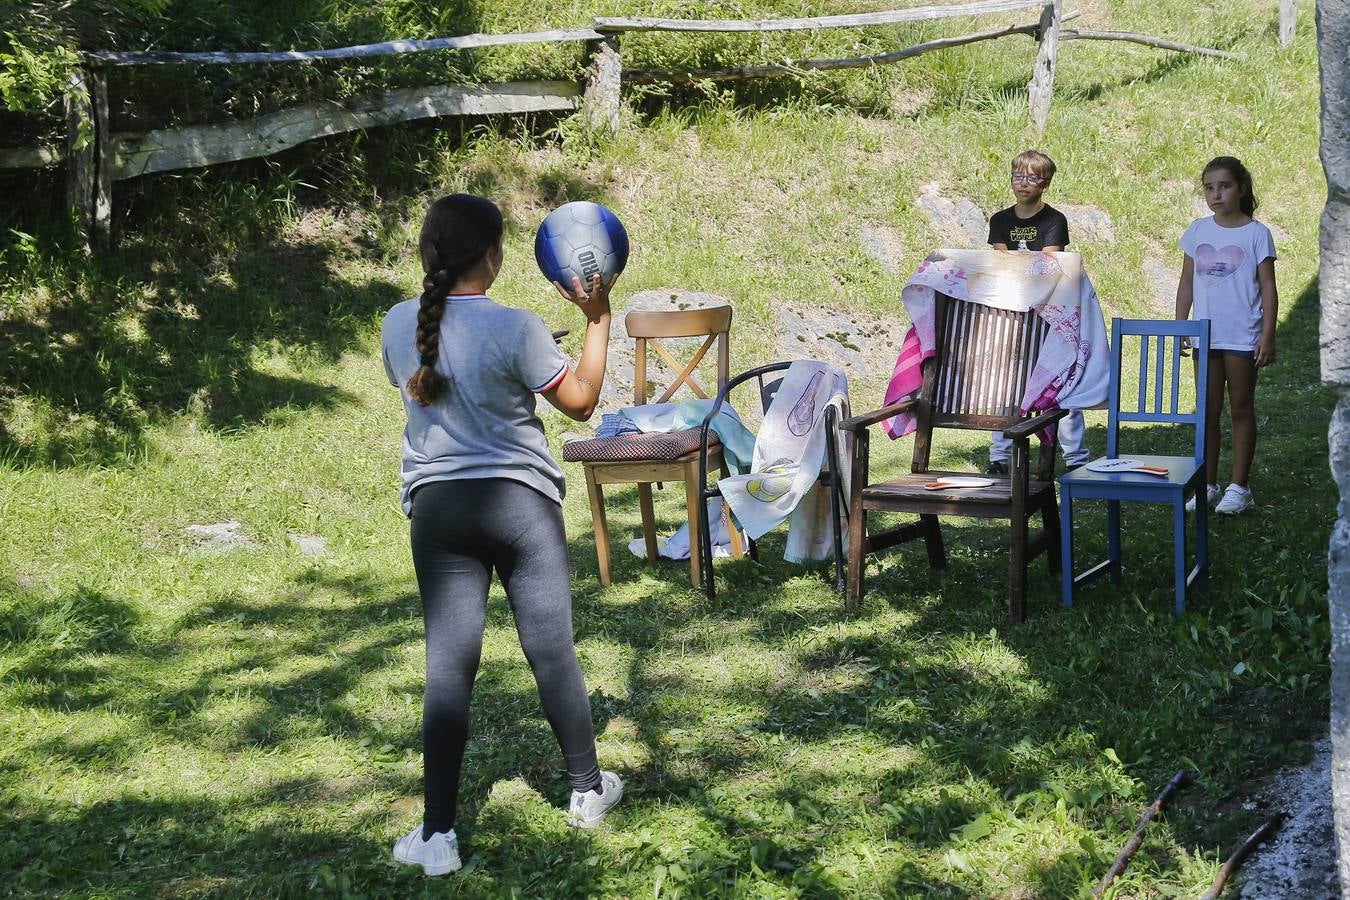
[(1029, 427), (858, 423)]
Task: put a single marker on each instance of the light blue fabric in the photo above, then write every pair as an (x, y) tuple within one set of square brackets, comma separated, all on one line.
[(615, 424), (738, 442)]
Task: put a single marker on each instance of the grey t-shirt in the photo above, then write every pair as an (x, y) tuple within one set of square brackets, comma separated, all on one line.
[(484, 425)]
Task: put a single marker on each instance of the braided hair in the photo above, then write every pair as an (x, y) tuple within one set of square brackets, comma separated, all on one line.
[(1233, 166), (457, 234)]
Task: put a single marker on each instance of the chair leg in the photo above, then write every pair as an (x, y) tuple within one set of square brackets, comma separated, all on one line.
[(932, 539), (601, 525), (857, 556), (733, 535), (1066, 546), (693, 501), (1179, 552), (837, 525), (1050, 522), (1017, 571), (704, 528), (648, 519), (1113, 548)]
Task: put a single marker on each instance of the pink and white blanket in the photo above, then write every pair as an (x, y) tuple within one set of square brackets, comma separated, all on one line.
[(1073, 369)]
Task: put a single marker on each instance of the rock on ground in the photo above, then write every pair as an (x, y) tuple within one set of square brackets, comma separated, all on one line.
[(1088, 223), (308, 544), (959, 222), (1300, 860), (221, 537), (864, 346)]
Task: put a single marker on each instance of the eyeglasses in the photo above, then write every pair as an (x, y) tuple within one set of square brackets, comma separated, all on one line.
[(1028, 178)]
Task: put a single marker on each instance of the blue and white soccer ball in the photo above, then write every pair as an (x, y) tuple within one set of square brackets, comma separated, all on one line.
[(581, 238)]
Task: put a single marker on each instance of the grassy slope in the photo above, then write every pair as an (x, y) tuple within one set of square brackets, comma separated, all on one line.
[(247, 723)]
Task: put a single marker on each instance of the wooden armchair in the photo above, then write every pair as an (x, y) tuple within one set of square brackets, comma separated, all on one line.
[(975, 380), (645, 459)]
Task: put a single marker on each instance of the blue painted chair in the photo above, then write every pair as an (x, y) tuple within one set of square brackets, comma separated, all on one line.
[(1185, 474)]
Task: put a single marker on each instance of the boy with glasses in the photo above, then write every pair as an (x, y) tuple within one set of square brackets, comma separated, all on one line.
[(1032, 224)]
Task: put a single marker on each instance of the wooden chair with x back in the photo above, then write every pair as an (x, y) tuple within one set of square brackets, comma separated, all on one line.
[(975, 380), (646, 459)]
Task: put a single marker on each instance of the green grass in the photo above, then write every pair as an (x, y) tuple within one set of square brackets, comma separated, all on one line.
[(246, 724)]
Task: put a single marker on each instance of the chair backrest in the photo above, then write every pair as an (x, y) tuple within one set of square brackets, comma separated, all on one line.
[(977, 377), (1156, 395), (647, 327)]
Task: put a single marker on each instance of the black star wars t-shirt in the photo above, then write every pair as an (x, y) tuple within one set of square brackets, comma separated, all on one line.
[(1048, 228)]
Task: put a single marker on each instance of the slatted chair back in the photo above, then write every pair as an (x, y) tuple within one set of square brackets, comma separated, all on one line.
[(648, 327), (978, 375), (1157, 396)]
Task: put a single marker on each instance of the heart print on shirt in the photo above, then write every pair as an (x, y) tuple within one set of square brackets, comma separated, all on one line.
[(1216, 265)]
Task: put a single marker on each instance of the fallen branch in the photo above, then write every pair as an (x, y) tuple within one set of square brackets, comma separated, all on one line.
[(1071, 34), (647, 76), (1137, 838), (1239, 855)]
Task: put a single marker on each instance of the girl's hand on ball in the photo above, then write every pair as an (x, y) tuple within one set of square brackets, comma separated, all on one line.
[(593, 303)]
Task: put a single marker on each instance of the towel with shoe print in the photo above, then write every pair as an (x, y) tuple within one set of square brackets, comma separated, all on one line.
[(789, 452)]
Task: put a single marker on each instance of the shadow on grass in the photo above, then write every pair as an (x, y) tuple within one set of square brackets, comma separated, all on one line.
[(218, 308), (145, 336), (770, 731)]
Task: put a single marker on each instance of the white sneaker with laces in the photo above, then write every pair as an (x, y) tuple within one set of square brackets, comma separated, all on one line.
[(437, 856), (1236, 499), (588, 808), (1212, 495)]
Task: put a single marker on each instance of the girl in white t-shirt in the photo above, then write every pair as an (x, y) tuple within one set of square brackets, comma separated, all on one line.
[(1228, 277)]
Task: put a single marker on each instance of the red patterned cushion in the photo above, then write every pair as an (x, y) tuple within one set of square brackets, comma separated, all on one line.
[(627, 447)]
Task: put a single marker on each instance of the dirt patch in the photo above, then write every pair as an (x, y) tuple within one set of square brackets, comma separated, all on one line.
[(1162, 283), (883, 245)]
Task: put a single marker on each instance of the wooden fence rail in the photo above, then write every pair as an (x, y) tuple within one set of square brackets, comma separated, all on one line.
[(388, 48), (95, 156)]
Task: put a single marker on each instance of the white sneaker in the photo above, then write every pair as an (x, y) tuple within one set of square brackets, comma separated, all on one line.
[(588, 808), (437, 856), (1236, 499), (1212, 494)]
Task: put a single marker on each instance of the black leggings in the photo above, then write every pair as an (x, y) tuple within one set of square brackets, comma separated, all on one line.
[(461, 531)]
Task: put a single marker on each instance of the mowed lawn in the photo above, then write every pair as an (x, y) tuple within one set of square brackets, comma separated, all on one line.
[(179, 722)]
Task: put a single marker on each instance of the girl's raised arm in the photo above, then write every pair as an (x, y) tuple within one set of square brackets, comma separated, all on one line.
[(577, 394)]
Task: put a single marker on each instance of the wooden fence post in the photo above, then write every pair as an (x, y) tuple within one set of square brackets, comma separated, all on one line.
[(1288, 21), (1042, 86), (80, 145), (103, 160), (601, 101)]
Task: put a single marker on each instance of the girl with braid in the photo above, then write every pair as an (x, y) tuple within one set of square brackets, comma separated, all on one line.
[(484, 493)]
